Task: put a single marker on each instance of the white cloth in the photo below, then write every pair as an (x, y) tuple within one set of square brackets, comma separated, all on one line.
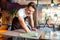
[(21, 12)]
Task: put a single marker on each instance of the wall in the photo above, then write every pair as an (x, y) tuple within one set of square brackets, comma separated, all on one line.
[(24, 2)]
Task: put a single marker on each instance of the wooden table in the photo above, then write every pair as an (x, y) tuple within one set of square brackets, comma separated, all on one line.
[(16, 33)]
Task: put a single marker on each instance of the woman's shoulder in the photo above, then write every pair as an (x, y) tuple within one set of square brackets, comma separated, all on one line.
[(21, 9)]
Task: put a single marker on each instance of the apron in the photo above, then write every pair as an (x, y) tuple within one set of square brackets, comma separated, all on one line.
[(16, 25)]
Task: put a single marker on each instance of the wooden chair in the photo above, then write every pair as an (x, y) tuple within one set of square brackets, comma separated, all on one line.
[(3, 28)]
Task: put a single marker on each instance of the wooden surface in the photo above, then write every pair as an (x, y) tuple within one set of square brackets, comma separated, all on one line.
[(3, 27), (16, 33)]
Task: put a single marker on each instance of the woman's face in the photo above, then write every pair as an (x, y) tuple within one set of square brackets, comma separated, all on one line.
[(30, 10)]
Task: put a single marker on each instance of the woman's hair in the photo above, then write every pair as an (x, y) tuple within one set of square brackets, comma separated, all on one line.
[(32, 4)]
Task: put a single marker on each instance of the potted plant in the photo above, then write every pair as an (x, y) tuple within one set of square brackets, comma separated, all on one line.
[(13, 12)]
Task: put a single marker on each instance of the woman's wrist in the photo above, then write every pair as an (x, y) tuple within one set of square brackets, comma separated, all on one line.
[(32, 26)]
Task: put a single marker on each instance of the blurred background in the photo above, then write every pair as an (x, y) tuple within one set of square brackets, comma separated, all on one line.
[(46, 18)]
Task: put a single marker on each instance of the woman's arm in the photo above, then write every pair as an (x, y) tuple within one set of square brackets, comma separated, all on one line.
[(21, 21), (31, 21)]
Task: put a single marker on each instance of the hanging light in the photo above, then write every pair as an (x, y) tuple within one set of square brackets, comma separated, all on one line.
[(52, 4)]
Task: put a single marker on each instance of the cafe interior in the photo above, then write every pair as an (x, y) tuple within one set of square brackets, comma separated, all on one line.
[(46, 20)]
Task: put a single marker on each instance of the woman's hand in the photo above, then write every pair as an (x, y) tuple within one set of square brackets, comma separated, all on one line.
[(28, 31), (34, 29)]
